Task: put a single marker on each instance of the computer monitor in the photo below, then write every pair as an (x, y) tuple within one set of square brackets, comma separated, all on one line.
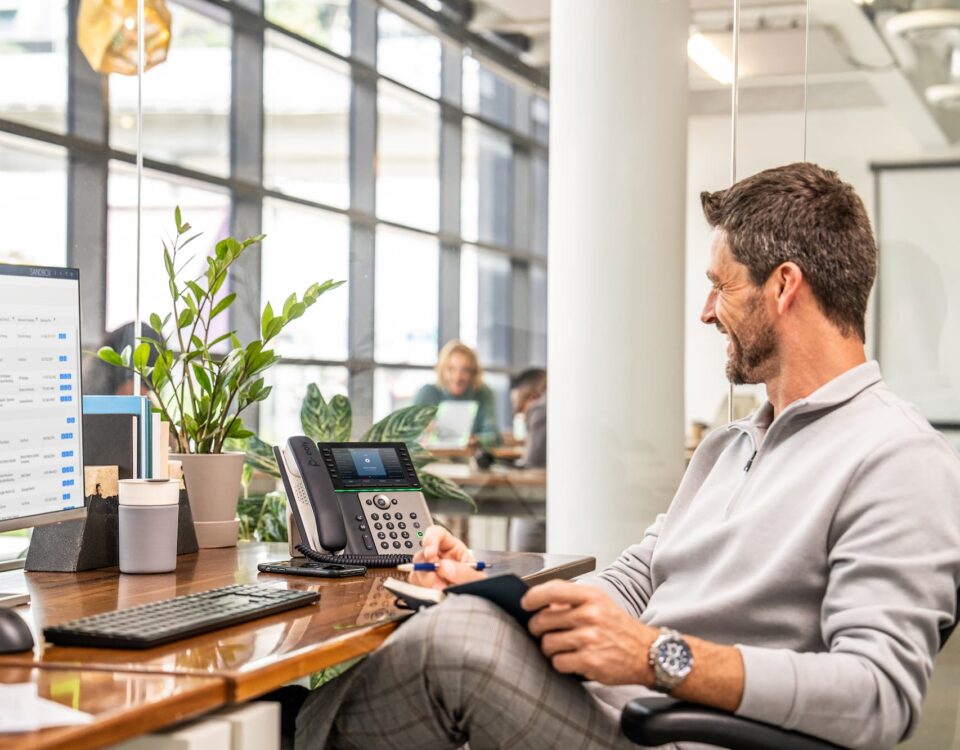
[(41, 440)]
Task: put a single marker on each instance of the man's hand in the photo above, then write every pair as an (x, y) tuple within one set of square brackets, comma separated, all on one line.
[(450, 554), (584, 632)]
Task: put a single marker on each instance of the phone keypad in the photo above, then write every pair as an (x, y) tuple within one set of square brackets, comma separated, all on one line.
[(391, 515)]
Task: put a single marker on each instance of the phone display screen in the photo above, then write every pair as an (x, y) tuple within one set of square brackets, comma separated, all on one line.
[(369, 467)]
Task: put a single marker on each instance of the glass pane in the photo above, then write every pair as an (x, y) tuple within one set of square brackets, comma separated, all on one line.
[(280, 413), (33, 189), (407, 53), (408, 158), (325, 22), (406, 297), (486, 93), (487, 185), (186, 99), (540, 116), (394, 389), (538, 316), (499, 383), (538, 229), (306, 99), (207, 209), (485, 305), (33, 62), (303, 246)]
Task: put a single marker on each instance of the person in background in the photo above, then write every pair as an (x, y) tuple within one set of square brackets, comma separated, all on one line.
[(528, 394), (101, 379), (460, 378)]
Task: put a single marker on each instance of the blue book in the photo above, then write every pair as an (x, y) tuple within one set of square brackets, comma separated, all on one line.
[(139, 406)]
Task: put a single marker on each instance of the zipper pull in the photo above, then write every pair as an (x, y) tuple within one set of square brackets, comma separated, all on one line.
[(750, 462)]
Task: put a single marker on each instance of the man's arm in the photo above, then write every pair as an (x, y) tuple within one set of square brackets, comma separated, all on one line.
[(892, 585), (584, 632)]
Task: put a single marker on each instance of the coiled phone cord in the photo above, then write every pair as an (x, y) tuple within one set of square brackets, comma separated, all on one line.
[(369, 561)]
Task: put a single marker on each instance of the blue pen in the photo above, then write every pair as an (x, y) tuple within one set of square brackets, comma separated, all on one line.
[(429, 567)]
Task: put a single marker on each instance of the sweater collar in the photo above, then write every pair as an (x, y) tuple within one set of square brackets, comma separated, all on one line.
[(841, 389)]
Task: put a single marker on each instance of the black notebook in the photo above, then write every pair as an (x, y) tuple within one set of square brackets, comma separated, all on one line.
[(505, 591)]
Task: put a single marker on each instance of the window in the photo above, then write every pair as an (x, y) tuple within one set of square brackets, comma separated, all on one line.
[(337, 105), (408, 158), (306, 101), (186, 99), (303, 246), (485, 305), (33, 63), (408, 54), (206, 208), (406, 300), (487, 187), (33, 188), (326, 22)]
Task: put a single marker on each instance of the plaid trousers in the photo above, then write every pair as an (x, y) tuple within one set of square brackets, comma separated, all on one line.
[(460, 672)]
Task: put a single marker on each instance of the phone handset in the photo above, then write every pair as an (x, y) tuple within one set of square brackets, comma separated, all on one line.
[(313, 492)]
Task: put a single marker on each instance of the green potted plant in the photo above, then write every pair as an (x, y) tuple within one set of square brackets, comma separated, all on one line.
[(203, 382)]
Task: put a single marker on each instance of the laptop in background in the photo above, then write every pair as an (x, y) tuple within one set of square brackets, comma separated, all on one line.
[(453, 424)]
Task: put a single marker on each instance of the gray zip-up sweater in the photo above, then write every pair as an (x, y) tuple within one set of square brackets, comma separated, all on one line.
[(825, 545)]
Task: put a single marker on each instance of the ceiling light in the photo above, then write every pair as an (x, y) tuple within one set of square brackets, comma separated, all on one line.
[(710, 59), (107, 34)]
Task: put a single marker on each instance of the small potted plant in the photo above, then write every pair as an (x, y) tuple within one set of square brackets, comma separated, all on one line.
[(203, 381)]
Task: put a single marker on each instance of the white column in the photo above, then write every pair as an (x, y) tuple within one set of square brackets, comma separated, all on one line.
[(618, 130)]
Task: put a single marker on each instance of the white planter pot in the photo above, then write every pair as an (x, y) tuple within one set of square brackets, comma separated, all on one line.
[(213, 486)]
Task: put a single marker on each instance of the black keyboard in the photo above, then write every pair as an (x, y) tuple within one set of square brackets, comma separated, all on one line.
[(181, 617)]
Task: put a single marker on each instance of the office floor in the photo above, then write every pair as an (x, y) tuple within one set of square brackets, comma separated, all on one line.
[(940, 726)]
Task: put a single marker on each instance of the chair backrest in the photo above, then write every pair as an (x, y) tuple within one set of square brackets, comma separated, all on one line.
[(947, 631)]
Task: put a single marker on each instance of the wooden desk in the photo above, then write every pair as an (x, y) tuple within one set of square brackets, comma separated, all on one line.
[(123, 705), (355, 615), (498, 491)]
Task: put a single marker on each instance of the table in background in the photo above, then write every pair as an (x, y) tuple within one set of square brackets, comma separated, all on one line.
[(123, 704), (354, 616)]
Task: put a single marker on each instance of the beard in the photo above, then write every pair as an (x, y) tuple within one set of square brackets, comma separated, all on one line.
[(753, 346)]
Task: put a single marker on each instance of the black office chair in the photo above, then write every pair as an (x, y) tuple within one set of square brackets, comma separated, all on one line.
[(661, 720)]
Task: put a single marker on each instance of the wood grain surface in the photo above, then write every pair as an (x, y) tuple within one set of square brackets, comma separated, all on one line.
[(122, 704), (353, 617)]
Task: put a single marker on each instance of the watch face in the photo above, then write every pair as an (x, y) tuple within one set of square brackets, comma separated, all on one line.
[(674, 657)]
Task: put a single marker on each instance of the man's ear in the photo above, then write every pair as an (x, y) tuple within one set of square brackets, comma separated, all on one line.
[(786, 281)]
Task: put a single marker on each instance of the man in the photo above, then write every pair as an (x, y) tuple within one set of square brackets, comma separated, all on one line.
[(528, 396), (808, 559)]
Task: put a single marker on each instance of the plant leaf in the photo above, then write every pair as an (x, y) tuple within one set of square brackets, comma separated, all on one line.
[(222, 305), (185, 319), (404, 425), (108, 355), (441, 488), (140, 356), (265, 320), (202, 378), (259, 454)]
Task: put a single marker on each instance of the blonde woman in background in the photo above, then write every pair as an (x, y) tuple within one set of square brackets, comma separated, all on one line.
[(460, 378)]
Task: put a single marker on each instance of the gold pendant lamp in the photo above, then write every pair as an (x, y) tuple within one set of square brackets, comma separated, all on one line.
[(107, 34)]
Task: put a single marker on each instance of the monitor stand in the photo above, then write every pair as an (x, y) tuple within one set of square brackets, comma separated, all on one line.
[(8, 600)]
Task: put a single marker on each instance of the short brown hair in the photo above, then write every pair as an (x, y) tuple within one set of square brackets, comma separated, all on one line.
[(807, 215)]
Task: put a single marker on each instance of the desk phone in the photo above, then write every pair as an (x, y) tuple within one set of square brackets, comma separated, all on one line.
[(355, 503)]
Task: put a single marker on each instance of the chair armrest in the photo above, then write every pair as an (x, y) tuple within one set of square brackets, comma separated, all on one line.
[(657, 721)]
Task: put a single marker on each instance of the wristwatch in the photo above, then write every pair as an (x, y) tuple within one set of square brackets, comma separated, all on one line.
[(671, 660)]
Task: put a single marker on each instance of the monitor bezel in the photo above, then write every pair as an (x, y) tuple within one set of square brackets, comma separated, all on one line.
[(55, 516)]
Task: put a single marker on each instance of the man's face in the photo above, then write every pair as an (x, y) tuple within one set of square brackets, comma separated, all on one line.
[(737, 308)]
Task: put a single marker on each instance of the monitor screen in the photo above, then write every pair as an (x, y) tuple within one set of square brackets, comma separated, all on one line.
[(369, 466), (41, 461)]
